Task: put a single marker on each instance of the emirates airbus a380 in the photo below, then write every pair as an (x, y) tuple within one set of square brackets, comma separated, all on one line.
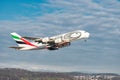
[(50, 43)]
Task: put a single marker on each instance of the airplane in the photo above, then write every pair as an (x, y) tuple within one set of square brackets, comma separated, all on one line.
[(50, 43)]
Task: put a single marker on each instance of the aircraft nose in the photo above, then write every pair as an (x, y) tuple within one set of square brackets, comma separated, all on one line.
[(87, 35)]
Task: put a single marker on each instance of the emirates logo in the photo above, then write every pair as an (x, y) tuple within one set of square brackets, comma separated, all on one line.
[(74, 35)]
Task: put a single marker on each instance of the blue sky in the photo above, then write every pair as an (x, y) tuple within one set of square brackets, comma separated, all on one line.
[(40, 18)]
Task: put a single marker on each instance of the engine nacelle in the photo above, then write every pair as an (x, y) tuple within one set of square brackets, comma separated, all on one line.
[(59, 45), (65, 44)]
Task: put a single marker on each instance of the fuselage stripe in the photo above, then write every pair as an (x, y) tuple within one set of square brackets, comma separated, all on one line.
[(28, 42)]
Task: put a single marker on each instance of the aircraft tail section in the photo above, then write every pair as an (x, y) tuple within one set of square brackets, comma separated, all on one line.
[(20, 40), (17, 38)]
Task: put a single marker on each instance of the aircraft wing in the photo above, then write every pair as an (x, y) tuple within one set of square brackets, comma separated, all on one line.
[(31, 38)]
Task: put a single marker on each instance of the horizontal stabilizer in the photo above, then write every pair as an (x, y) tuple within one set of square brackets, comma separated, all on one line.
[(15, 47)]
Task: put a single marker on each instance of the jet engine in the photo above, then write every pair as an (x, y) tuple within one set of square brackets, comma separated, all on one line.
[(63, 44), (59, 45)]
